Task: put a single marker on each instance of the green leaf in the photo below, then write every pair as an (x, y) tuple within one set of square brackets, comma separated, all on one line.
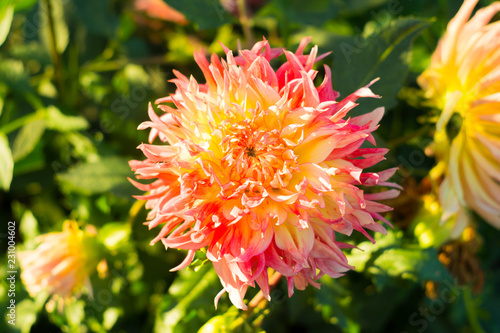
[(329, 300), (411, 263), (384, 54), (229, 322), (187, 280), (133, 78), (206, 14), (24, 4), (107, 174), (94, 86), (98, 17), (81, 146), (75, 313), (28, 227), (110, 317), (352, 7), (361, 256), (189, 303), (58, 121), (391, 257), (6, 15), (12, 74), (3, 93), (27, 139), (61, 31), (6, 163), (26, 312), (29, 51), (34, 161), (218, 324), (114, 235), (312, 12)]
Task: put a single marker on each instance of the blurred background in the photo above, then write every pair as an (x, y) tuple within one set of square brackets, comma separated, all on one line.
[(76, 77)]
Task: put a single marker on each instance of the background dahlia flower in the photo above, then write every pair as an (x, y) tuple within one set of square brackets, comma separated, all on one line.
[(61, 264), (262, 168), (463, 80), (160, 10)]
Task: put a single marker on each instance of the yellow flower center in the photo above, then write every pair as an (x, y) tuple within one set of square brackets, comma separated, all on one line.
[(254, 153)]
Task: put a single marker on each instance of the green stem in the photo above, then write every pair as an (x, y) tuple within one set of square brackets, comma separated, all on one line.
[(237, 323), (245, 22), (73, 74), (470, 307), (134, 211), (56, 57), (34, 101), (108, 66)]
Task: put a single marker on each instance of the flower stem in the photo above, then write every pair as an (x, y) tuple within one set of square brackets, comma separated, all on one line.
[(134, 211), (470, 308), (245, 22), (56, 57)]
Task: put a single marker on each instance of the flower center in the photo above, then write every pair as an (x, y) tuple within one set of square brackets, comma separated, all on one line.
[(253, 153)]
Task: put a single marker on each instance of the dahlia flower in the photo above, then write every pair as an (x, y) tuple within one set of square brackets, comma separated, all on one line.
[(160, 10), (463, 80), (262, 169), (61, 264)]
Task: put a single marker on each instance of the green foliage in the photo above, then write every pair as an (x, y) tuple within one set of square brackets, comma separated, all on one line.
[(6, 163), (76, 77), (6, 15), (180, 311), (14, 76), (98, 17), (27, 315), (24, 4), (56, 120), (114, 235), (107, 174), (392, 257), (360, 6), (28, 229), (229, 322), (60, 36), (382, 53), (315, 12), (414, 263), (27, 138), (329, 301), (206, 14)]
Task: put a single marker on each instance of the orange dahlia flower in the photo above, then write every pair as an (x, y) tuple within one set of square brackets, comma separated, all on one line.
[(61, 264), (463, 80), (160, 10), (262, 168)]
